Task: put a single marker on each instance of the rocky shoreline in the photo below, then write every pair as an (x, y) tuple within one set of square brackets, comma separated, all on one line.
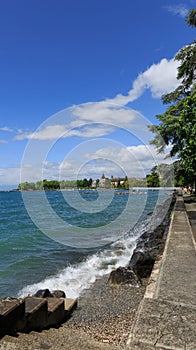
[(106, 311), (150, 246)]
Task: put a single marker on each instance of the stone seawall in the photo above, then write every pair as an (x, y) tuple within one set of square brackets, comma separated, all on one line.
[(149, 248)]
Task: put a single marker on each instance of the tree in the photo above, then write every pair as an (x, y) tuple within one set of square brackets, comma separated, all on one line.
[(182, 178), (39, 185), (90, 181), (126, 183), (191, 18), (153, 179), (84, 183), (68, 184), (166, 174), (26, 186), (177, 126), (51, 185)]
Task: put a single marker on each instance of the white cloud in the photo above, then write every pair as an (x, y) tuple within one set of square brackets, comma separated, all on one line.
[(179, 10), (9, 176), (91, 130), (94, 120), (88, 120), (105, 112), (111, 113), (3, 141), (51, 132), (133, 161), (55, 132), (67, 170), (6, 128), (159, 78)]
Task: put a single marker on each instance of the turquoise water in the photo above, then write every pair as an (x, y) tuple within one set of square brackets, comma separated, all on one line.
[(94, 239)]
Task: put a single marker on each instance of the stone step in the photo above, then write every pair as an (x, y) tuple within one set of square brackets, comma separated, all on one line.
[(12, 315), (36, 311), (33, 313), (70, 305), (56, 311)]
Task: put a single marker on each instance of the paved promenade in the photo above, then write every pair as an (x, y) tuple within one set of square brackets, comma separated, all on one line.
[(166, 318)]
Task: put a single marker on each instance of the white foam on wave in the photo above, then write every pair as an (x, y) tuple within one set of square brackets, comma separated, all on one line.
[(76, 278)]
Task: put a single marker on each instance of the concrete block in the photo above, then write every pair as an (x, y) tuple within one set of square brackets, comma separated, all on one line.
[(70, 305), (12, 316), (56, 311), (36, 310)]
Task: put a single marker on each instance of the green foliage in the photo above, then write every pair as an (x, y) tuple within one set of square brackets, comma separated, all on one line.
[(39, 185), (26, 186), (166, 174), (68, 184), (126, 184), (153, 179), (106, 184), (191, 18), (187, 133), (84, 183), (182, 177), (177, 127), (51, 185), (133, 182), (97, 183)]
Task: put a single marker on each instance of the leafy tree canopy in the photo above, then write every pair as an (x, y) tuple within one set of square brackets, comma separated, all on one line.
[(153, 179), (177, 127), (191, 18)]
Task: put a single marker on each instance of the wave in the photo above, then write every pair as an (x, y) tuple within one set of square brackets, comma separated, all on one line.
[(74, 279)]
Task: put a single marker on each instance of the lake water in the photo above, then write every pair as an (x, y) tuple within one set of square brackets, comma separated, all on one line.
[(65, 240)]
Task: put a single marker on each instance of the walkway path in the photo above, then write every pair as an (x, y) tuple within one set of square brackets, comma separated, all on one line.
[(166, 318)]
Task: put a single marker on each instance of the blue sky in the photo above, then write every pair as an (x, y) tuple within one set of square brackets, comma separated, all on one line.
[(80, 80)]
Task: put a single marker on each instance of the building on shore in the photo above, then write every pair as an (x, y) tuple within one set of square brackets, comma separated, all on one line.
[(118, 181)]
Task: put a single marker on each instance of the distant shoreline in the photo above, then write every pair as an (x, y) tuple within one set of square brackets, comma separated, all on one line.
[(97, 189)]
